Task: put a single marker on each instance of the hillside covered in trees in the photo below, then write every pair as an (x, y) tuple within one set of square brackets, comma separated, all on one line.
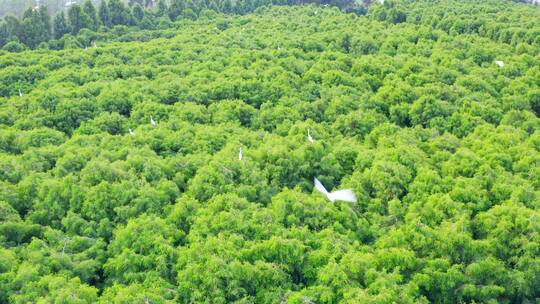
[(36, 28), (405, 104)]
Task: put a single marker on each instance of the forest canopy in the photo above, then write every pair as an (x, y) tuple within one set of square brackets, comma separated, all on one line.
[(405, 104)]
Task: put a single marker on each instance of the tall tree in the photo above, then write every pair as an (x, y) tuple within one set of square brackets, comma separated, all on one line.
[(3, 34), (161, 9), (176, 8), (118, 12), (34, 30), (46, 22), (75, 18), (11, 27), (138, 13), (104, 14), (91, 20), (60, 25)]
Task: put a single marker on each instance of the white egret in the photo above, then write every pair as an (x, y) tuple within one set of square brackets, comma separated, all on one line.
[(240, 156), (309, 136), (346, 195), (20, 93), (152, 121), (500, 63), (131, 132)]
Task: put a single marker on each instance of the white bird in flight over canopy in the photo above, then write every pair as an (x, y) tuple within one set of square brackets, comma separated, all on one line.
[(346, 195)]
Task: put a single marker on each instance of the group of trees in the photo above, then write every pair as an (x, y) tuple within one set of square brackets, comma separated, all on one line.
[(35, 26), (35, 29), (441, 146)]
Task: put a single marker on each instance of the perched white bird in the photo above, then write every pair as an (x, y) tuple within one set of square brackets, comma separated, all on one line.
[(131, 132), (309, 136), (346, 195), (152, 121), (240, 154), (20, 93), (499, 63)]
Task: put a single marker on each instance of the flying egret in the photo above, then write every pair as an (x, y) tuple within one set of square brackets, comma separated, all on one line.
[(309, 136), (240, 154), (131, 132), (346, 195), (500, 63), (152, 121), (20, 93)]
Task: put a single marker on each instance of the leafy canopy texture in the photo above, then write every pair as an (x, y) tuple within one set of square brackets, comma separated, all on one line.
[(406, 107)]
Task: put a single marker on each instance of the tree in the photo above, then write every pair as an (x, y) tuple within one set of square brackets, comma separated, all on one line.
[(56, 288), (119, 14), (46, 23), (176, 8), (138, 13), (60, 25), (11, 28), (35, 27), (75, 18), (144, 247), (161, 9), (104, 14), (89, 11)]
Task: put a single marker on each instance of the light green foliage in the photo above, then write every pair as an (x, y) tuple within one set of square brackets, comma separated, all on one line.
[(405, 105)]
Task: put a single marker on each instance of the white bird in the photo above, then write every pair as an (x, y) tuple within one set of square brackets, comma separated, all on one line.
[(20, 93), (346, 195), (309, 136), (240, 154), (152, 121), (131, 132), (499, 63), (381, 2)]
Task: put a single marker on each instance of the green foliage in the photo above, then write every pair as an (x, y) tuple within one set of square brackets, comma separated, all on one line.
[(405, 105)]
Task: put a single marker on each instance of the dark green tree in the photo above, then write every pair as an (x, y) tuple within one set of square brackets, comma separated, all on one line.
[(60, 25), (161, 9), (33, 30), (45, 22), (176, 8), (91, 20), (75, 18), (104, 14), (119, 13), (138, 13)]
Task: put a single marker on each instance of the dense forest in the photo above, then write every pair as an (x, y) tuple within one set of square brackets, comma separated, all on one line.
[(121, 181), (35, 29)]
